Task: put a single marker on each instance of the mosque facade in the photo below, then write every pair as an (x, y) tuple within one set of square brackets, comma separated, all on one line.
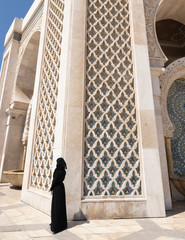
[(100, 83)]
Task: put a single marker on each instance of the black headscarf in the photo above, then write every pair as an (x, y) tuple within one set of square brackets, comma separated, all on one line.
[(61, 164)]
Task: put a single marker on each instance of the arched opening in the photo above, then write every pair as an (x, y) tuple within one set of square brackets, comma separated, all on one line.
[(171, 37), (170, 30), (19, 111), (172, 9), (26, 74)]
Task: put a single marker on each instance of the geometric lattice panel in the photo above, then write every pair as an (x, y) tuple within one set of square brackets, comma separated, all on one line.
[(111, 162), (46, 114), (176, 111)]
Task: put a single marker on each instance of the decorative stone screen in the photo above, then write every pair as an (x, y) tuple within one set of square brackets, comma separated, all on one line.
[(46, 115), (111, 164)]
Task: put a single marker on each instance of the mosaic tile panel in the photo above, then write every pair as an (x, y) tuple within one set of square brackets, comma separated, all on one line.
[(176, 111), (46, 115), (111, 163)]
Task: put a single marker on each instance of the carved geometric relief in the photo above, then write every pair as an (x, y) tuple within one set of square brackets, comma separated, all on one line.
[(150, 8), (111, 163), (46, 114), (176, 111), (173, 71)]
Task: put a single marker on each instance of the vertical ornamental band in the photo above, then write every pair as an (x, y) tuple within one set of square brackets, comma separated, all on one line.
[(47, 103), (111, 162)]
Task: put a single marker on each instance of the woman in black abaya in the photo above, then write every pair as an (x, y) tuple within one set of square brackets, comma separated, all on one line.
[(58, 205)]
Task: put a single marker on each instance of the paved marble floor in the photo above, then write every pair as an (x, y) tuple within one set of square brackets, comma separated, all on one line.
[(19, 221)]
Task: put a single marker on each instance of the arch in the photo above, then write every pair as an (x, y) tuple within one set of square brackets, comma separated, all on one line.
[(27, 67), (23, 91), (151, 8), (156, 10), (174, 71), (171, 10)]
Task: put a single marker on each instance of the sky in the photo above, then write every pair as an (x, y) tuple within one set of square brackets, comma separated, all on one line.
[(9, 9)]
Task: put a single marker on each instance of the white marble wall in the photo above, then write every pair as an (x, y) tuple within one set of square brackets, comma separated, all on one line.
[(70, 123), (34, 197), (157, 60), (72, 103), (161, 141), (152, 204), (149, 142)]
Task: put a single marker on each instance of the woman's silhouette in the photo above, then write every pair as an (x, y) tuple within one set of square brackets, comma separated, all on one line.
[(58, 206)]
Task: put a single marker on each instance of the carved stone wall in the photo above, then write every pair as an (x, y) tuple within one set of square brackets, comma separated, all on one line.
[(173, 72), (112, 165), (151, 7), (47, 105)]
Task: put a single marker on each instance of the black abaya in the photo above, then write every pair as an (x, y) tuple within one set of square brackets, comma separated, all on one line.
[(58, 206)]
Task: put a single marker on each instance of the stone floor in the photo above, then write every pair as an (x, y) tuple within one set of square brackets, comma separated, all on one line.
[(20, 221)]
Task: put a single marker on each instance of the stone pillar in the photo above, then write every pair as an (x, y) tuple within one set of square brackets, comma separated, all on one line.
[(8, 80), (155, 73), (70, 115), (72, 118), (150, 152), (157, 60), (13, 147)]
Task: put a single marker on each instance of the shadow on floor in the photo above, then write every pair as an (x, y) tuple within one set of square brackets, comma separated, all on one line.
[(178, 207), (76, 223), (15, 187)]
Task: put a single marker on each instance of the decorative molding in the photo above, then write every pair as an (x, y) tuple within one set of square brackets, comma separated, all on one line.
[(33, 21), (173, 72), (150, 7), (27, 124), (175, 105), (19, 36), (35, 28)]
